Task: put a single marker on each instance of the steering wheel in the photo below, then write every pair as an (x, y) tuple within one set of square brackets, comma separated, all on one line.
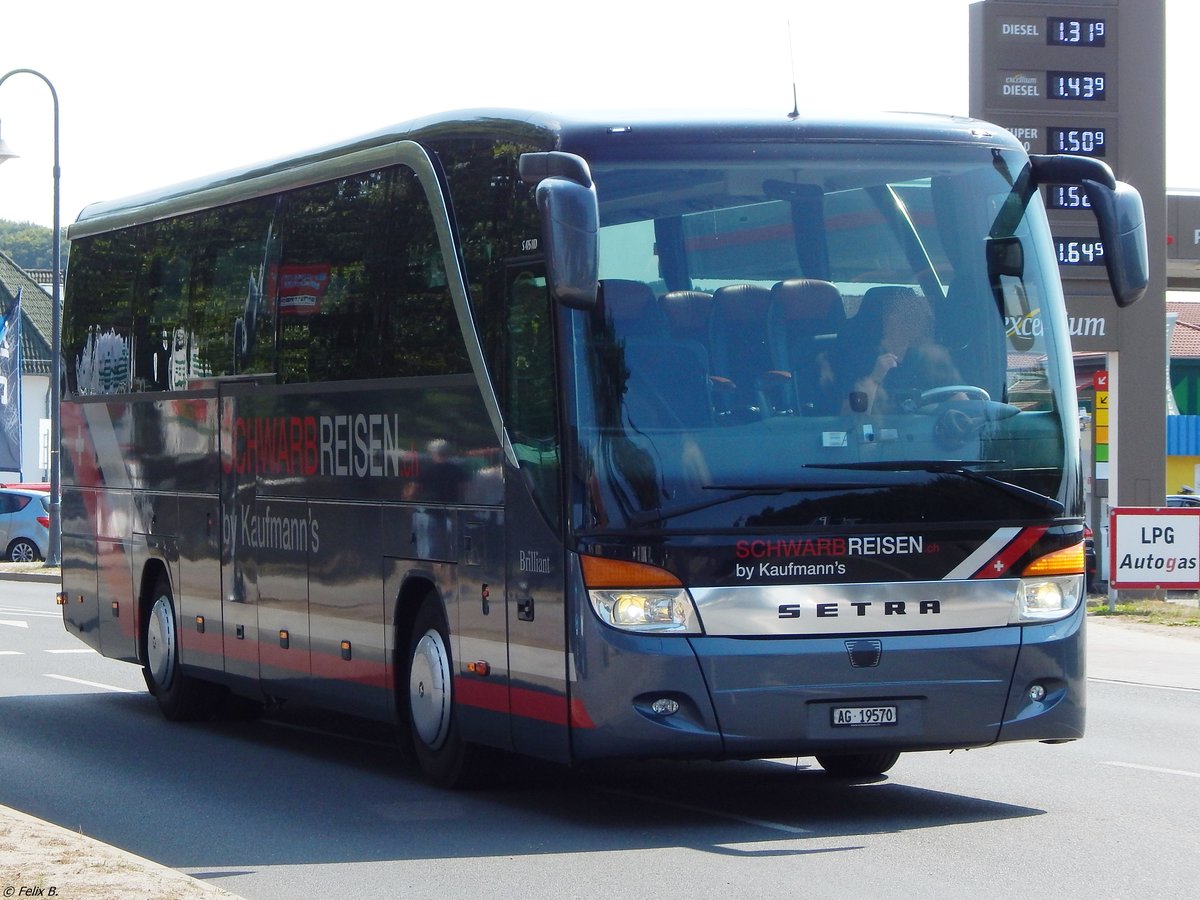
[(948, 392), (962, 410)]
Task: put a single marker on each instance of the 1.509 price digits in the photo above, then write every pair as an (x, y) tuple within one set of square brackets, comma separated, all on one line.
[(1085, 141)]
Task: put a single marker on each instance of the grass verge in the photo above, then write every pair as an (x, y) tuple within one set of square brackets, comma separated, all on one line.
[(1184, 613)]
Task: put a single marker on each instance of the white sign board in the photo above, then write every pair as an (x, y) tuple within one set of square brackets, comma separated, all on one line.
[(1155, 548), (44, 444)]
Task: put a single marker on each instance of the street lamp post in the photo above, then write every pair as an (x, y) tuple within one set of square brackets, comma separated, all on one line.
[(55, 549)]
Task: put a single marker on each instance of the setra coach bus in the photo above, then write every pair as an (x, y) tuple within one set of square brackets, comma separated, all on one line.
[(595, 438)]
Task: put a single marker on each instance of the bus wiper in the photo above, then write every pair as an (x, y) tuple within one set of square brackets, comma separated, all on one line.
[(740, 492), (961, 467)]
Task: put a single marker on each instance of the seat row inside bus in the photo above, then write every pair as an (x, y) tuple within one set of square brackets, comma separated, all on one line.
[(743, 351)]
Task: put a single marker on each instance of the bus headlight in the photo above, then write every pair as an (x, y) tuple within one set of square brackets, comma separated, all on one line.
[(1047, 599), (647, 610), (635, 596)]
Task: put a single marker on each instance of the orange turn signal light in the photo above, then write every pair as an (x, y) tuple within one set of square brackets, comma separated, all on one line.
[(602, 572), (1067, 561)]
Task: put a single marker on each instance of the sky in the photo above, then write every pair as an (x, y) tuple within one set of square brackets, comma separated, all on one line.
[(153, 93)]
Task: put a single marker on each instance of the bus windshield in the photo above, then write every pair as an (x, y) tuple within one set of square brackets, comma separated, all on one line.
[(821, 335)]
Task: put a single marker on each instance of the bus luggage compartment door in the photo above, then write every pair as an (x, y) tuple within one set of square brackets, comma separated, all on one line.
[(239, 588), (81, 614)]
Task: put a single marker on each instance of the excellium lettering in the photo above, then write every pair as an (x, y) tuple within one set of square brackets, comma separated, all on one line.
[(1032, 326)]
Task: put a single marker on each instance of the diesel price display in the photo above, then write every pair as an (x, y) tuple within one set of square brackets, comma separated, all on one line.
[(1067, 196), (1063, 32), (1076, 85), (1079, 251), (1084, 141)]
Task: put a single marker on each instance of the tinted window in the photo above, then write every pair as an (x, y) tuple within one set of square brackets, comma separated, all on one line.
[(11, 503), (499, 235), (361, 288), (98, 319), (154, 306), (336, 281)]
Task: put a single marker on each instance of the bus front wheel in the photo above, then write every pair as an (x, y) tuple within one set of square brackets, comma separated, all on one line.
[(858, 765), (441, 752), (179, 696)]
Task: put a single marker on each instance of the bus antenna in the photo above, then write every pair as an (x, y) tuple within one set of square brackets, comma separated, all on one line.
[(795, 113)]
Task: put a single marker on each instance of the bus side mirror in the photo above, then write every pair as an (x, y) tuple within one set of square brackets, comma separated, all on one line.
[(1122, 223), (1119, 215), (1005, 256), (570, 228), (566, 199), (1006, 259)]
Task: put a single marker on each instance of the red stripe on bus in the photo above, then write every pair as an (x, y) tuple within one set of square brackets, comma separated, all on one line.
[(489, 695), (1000, 564), (529, 704), (579, 715)]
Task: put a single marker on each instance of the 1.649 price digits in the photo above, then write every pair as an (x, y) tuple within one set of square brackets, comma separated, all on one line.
[(1074, 252)]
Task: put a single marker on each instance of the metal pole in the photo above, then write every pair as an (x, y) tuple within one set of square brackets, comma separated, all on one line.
[(54, 554)]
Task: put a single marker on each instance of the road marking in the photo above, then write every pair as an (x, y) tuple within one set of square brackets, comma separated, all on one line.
[(11, 653), (1161, 771), (41, 614), (705, 811), (95, 684), (1161, 687), (14, 623), (73, 650)]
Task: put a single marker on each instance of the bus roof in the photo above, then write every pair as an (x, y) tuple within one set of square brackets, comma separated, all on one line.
[(573, 133)]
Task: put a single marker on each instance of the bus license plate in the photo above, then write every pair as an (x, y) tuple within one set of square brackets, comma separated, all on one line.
[(864, 715)]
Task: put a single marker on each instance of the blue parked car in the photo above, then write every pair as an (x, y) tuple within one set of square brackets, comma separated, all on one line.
[(24, 524)]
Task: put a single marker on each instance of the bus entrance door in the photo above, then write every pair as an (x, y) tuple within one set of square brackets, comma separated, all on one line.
[(537, 629)]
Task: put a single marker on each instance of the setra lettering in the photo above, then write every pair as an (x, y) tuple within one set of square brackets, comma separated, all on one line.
[(862, 608)]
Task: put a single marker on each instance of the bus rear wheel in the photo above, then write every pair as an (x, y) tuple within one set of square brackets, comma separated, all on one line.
[(442, 754), (858, 765), (179, 696)]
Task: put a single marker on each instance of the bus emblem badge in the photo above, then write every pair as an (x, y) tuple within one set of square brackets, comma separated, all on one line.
[(864, 654)]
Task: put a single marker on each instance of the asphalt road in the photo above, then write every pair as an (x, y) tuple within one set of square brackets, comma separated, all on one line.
[(283, 809)]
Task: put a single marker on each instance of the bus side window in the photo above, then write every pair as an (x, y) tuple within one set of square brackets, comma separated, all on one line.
[(97, 323), (361, 289), (232, 330)]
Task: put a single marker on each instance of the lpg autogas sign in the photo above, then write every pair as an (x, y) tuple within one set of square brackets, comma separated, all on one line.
[(1155, 548)]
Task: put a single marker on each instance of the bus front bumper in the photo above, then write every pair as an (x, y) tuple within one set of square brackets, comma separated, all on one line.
[(725, 697)]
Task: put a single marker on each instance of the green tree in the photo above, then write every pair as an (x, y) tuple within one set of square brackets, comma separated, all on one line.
[(30, 246)]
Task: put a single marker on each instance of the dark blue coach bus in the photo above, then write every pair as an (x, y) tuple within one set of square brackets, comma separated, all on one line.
[(588, 438)]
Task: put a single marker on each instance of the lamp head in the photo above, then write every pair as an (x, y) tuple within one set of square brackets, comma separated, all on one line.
[(5, 152)]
